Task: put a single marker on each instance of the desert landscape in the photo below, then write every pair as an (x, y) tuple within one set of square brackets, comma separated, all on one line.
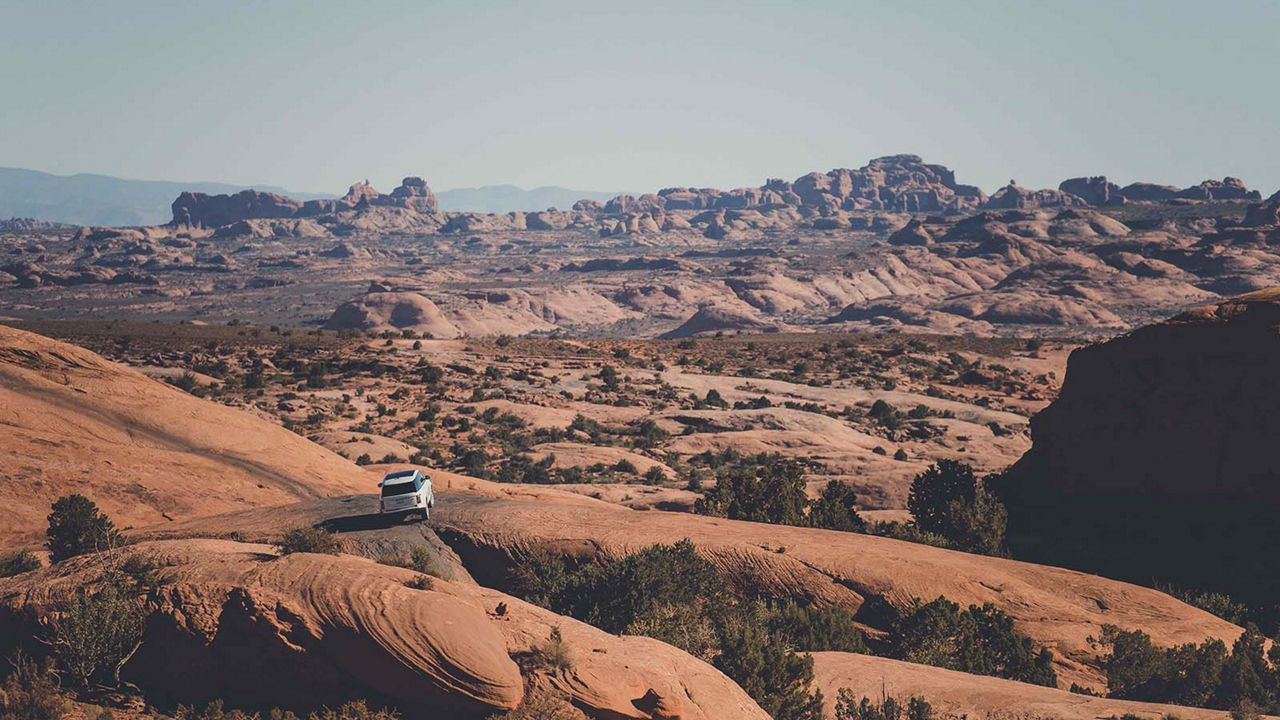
[(891, 441)]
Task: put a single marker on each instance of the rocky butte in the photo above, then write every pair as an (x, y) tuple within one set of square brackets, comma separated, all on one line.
[(1159, 457)]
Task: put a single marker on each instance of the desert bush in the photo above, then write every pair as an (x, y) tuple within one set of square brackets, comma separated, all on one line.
[(935, 490), (980, 640), (553, 653), (836, 509), (309, 540), (771, 489), (948, 500), (77, 526), (18, 563), (419, 560), (670, 593), (814, 628), (773, 675), (542, 706), (353, 710), (766, 488), (1204, 675), (94, 633), (31, 692), (848, 707)]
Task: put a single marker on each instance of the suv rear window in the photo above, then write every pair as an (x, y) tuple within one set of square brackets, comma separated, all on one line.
[(400, 488)]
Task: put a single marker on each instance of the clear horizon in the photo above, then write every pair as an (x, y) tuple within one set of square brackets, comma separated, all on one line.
[(312, 97)]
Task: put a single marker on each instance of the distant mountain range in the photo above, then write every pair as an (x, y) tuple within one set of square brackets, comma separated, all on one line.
[(86, 199), (505, 198)]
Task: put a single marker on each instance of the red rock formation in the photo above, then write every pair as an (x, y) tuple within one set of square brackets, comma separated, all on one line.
[(210, 211), (1158, 460)]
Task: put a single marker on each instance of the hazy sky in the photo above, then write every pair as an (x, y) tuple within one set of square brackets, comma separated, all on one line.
[(602, 96)]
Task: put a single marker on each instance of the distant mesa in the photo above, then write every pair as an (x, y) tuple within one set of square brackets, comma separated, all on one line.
[(839, 199), (211, 211)]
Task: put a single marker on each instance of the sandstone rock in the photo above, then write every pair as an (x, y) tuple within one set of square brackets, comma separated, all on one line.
[(1149, 192), (378, 311), (1013, 197), (913, 234), (210, 211), (716, 318), (1093, 190), (1228, 188), (413, 194), (1262, 214), (136, 446), (1157, 460)]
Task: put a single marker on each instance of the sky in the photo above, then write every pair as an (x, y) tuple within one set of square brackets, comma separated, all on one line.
[(636, 96)]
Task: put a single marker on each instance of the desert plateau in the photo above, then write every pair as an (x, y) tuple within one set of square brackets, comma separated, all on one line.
[(752, 440)]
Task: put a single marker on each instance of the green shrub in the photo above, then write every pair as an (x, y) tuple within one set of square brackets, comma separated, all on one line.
[(18, 563), (770, 672), (553, 653), (947, 500), (836, 509), (93, 634), (31, 692), (353, 710), (310, 540), (933, 492), (767, 488), (670, 593), (980, 640), (542, 706), (848, 707), (77, 526), (419, 560)]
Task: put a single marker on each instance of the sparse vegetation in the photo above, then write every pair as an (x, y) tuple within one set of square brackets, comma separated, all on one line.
[(309, 540), (1205, 675), (95, 632), (30, 691), (77, 526), (771, 489), (948, 501), (542, 706), (20, 562), (849, 707)]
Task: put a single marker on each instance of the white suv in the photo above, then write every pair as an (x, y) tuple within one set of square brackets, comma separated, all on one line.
[(407, 491)]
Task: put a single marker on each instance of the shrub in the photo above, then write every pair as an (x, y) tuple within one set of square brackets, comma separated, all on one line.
[(850, 708), (554, 653), (1204, 675), (422, 582), (94, 634), (947, 500), (542, 706), (31, 692), (978, 524), (980, 640), (353, 710), (766, 489), (670, 593), (771, 673), (836, 509), (419, 559), (933, 492), (18, 563), (816, 628), (310, 540), (77, 526)]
